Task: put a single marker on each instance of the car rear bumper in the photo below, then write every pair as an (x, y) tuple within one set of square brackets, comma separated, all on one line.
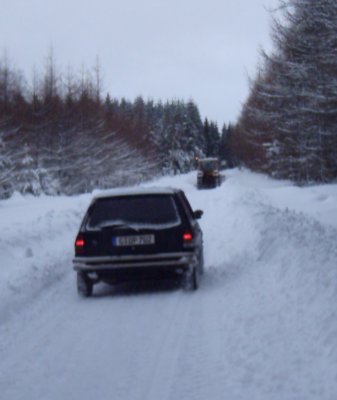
[(183, 260)]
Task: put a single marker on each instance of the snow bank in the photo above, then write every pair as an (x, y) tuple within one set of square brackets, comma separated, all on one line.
[(36, 245), (249, 217), (277, 262)]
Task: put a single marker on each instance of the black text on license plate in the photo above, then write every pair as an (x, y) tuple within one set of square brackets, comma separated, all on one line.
[(134, 240)]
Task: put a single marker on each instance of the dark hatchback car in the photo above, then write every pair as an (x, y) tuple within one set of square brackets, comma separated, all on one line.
[(142, 234)]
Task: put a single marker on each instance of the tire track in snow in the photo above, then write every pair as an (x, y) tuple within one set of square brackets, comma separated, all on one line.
[(170, 349)]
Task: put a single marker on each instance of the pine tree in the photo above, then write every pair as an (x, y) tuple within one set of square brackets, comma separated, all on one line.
[(211, 138), (288, 126), (226, 151)]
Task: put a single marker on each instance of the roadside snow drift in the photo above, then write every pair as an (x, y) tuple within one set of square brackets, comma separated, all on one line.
[(262, 326)]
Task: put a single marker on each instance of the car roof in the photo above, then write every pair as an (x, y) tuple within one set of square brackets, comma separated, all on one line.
[(135, 192)]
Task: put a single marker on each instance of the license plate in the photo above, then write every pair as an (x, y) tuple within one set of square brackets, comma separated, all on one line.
[(134, 240)]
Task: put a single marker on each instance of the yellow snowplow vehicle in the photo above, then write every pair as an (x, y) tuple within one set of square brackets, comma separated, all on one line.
[(208, 173)]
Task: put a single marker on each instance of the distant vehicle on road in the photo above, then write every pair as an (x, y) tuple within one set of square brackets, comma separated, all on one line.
[(208, 173), (142, 234)]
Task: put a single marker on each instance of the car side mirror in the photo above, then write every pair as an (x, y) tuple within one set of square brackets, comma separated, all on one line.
[(198, 214)]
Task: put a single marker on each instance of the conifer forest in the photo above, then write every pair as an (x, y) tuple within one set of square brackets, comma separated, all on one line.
[(288, 125), (60, 134)]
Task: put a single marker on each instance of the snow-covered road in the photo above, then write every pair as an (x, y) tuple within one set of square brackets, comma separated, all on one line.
[(262, 326)]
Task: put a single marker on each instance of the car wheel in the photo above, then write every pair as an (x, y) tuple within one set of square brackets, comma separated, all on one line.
[(192, 280), (201, 262), (84, 285)]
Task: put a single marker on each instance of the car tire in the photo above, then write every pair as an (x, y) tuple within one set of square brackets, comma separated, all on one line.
[(201, 262), (84, 285), (192, 280)]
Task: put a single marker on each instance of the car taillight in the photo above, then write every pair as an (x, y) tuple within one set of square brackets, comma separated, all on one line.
[(79, 243), (187, 237)]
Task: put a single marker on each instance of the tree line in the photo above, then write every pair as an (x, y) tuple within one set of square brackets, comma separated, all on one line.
[(60, 135), (288, 125)]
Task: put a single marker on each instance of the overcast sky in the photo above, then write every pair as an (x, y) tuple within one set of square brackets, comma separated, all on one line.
[(161, 49)]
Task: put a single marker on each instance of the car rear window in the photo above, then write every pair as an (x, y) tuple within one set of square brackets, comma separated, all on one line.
[(136, 210)]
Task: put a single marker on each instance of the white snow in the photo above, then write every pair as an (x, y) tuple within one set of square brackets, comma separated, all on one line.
[(262, 326)]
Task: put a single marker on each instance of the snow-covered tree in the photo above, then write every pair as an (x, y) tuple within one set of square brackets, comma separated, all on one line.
[(212, 138), (7, 164), (288, 126), (180, 137), (60, 137)]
